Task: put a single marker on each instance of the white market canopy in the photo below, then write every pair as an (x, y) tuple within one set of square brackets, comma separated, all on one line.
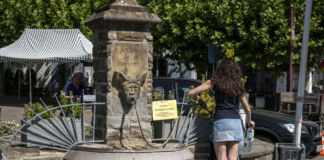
[(48, 45)]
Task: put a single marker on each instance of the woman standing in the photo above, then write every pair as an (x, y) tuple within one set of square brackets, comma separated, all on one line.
[(228, 87)]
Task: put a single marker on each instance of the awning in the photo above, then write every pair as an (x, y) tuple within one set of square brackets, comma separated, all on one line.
[(48, 45)]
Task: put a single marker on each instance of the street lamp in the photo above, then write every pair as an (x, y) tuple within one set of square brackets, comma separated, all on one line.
[(302, 73)]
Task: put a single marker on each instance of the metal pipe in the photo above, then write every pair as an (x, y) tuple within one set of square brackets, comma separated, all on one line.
[(55, 118), (19, 71), (45, 139), (27, 122), (52, 127), (189, 127), (94, 119), (64, 118), (73, 122), (181, 109), (36, 145), (83, 123), (302, 73), (292, 35), (94, 122), (30, 85), (185, 120), (58, 136)]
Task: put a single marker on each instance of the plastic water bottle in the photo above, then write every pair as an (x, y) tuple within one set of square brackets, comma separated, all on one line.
[(241, 146), (249, 140)]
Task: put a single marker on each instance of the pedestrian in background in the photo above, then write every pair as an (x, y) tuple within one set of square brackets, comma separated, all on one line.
[(227, 130), (76, 86)]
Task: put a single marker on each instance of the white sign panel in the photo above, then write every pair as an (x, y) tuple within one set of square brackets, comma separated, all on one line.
[(89, 98), (281, 85)]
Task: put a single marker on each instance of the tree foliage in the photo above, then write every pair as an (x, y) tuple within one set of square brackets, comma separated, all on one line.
[(16, 15), (258, 30)]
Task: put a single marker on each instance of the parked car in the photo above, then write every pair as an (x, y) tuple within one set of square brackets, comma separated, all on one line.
[(276, 127)]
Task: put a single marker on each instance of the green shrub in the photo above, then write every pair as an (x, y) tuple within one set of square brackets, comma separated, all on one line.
[(170, 95), (210, 102), (37, 108), (157, 94), (68, 110)]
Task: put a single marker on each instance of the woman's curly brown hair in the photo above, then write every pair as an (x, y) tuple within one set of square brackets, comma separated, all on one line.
[(227, 78)]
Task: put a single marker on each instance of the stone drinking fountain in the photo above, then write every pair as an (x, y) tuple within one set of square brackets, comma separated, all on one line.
[(123, 62)]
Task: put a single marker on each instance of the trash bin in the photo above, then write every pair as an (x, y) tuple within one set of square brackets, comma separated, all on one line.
[(289, 151)]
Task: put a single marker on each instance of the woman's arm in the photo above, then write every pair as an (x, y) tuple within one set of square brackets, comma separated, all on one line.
[(203, 87), (247, 110)]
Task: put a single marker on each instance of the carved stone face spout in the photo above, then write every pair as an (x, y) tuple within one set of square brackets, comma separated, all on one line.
[(130, 89), (131, 92)]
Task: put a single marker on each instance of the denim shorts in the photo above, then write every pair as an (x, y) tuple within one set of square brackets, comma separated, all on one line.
[(227, 130)]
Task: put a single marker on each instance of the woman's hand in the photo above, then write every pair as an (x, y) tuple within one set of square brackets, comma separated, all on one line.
[(194, 97), (251, 124)]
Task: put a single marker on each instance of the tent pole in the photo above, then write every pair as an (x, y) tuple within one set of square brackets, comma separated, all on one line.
[(18, 82), (302, 73), (30, 85)]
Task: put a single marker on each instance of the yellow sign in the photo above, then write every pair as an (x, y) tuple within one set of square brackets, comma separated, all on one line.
[(163, 110)]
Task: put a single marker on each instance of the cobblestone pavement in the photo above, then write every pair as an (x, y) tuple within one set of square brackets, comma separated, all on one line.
[(7, 113), (10, 106)]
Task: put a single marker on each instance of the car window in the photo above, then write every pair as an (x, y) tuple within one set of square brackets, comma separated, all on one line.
[(165, 84)]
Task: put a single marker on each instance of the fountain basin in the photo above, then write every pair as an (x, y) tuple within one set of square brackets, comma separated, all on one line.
[(103, 152)]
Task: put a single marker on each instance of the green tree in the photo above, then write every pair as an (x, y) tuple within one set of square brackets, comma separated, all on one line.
[(16, 15), (258, 31)]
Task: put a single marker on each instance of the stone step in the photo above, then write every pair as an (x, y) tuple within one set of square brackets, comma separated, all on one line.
[(19, 152), (206, 144), (202, 148), (49, 157), (201, 155)]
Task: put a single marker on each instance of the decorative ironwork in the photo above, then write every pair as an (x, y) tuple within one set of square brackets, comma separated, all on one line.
[(60, 132)]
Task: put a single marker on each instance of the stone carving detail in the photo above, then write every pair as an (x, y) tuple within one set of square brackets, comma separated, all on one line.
[(130, 87)]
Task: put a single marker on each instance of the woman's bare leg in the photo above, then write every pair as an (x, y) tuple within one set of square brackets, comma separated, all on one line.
[(232, 150), (220, 150)]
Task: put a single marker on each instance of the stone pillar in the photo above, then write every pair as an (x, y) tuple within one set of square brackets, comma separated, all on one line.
[(123, 62)]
